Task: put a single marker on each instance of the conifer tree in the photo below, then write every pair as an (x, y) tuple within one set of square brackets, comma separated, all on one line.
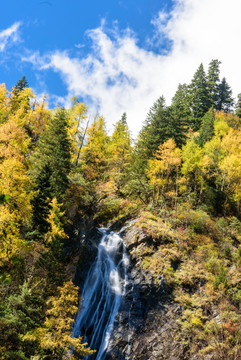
[(76, 131), (238, 106), (51, 165), (156, 130), (18, 94), (178, 124), (54, 336), (21, 84), (94, 153), (119, 150), (199, 98), (213, 82), (225, 101), (181, 102), (207, 128)]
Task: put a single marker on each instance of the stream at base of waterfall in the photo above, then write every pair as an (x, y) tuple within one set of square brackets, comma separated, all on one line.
[(102, 294)]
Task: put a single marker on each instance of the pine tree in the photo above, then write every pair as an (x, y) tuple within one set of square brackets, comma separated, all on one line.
[(199, 98), (178, 124), (156, 130), (225, 96), (51, 166), (238, 106), (21, 84), (213, 82), (41, 201), (18, 94), (181, 101), (207, 128)]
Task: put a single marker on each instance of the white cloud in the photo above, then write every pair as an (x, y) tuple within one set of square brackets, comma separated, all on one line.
[(118, 75), (9, 35)]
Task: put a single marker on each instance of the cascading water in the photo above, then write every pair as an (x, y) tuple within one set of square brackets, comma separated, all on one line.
[(102, 294)]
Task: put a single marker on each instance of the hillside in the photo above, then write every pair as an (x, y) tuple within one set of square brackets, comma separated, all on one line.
[(175, 189)]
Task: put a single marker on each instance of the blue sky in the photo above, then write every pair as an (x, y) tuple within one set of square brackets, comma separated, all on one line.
[(116, 55)]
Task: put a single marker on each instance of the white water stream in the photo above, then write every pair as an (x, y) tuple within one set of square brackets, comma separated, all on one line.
[(102, 294)]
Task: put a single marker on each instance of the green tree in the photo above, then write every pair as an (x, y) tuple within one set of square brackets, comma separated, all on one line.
[(161, 124), (225, 96), (51, 165), (192, 155), (21, 84), (136, 184), (181, 102), (238, 106), (20, 313), (213, 82), (155, 129), (207, 128), (18, 95), (200, 100), (178, 123)]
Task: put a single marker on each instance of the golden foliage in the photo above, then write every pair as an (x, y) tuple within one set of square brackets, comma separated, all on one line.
[(55, 335)]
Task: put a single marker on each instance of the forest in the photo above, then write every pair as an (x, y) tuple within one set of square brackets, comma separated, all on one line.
[(181, 181)]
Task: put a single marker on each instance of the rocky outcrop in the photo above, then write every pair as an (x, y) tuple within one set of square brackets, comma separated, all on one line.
[(87, 252), (146, 323)]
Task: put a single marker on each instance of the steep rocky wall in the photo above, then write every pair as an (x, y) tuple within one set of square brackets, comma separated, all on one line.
[(146, 323)]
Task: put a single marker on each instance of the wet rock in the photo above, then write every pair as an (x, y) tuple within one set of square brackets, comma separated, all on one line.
[(146, 323)]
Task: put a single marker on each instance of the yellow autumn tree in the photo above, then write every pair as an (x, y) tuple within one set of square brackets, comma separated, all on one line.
[(4, 103), (15, 182), (55, 334), (119, 150), (94, 153), (76, 129), (163, 170), (230, 166)]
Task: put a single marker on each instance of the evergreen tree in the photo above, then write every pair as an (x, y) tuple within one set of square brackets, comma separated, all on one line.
[(181, 100), (156, 130), (51, 165), (178, 124), (21, 313), (238, 106), (225, 96), (21, 84), (207, 128), (136, 184), (18, 95), (200, 101), (40, 201), (213, 82)]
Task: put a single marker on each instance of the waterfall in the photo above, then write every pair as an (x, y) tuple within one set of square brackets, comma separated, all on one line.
[(102, 293)]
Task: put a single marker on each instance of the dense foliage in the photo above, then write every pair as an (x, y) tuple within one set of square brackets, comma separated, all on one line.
[(181, 180)]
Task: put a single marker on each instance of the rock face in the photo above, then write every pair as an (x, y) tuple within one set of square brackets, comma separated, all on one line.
[(87, 253), (144, 326)]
